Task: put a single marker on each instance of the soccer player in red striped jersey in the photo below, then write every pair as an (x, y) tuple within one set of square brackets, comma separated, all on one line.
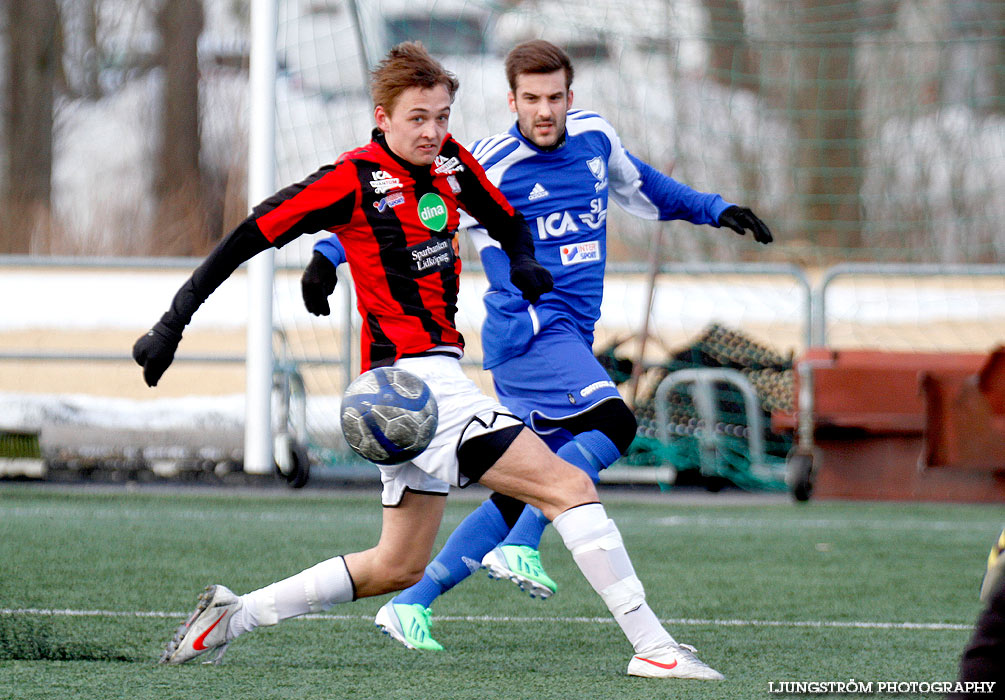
[(394, 204)]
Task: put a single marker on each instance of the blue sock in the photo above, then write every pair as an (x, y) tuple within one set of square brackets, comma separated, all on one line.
[(590, 451), (471, 540), (528, 529)]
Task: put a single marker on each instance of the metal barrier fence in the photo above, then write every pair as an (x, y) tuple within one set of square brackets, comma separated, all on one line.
[(973, 305), (995, 274), (772, 301)]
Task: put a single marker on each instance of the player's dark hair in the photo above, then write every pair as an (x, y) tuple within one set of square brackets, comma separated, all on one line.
[(408, 65), (537, 56)]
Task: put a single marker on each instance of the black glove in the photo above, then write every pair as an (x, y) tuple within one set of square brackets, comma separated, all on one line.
[(740, 218), (317, 284), (530, 277), (154, 351)]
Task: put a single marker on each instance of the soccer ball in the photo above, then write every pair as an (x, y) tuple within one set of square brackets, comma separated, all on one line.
[(388, 415)]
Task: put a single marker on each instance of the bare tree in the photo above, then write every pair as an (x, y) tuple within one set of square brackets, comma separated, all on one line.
[(998, 56), (181, 227), (813, 76), (33, 67), (89, 85), (732, 62)]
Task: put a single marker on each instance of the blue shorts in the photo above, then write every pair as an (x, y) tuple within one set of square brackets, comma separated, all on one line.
[(556, 378)]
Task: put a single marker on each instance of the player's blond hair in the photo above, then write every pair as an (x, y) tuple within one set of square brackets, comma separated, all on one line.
[(408, 65)]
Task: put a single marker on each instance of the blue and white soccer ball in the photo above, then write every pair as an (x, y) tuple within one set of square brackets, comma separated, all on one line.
[(388, 415)]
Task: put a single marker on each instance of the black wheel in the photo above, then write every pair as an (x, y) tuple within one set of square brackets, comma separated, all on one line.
[(299, 465), (801, 476), (715, 484)]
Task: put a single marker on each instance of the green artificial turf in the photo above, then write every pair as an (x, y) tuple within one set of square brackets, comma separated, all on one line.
[(93, 583)]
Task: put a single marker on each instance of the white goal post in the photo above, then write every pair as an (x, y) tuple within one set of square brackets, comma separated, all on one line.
[(258, 452)]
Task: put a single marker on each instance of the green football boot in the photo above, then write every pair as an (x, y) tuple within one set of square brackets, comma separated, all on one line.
[(409, 624), (521, 565)]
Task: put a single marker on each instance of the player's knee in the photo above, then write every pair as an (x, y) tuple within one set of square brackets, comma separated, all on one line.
[(509, 508), (573, 486)]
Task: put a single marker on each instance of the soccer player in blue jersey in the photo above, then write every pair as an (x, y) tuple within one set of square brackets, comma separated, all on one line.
[(559, 167)]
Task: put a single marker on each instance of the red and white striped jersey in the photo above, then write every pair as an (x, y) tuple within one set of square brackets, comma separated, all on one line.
[(397, 222)]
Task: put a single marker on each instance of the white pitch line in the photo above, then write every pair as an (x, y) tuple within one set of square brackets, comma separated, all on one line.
[(670, 521), (698, 622), (849, 523)]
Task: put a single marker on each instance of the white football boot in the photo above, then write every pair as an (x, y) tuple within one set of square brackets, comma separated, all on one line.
[(672, 661), (205, 629)]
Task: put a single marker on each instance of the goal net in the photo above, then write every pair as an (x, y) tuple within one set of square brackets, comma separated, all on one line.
[(867, 132)]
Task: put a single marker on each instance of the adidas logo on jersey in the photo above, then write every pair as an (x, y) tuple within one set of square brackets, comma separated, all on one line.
[(382, 181), (447, 166), (537, 192)]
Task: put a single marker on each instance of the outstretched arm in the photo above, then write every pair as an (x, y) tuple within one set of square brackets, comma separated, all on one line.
[(155, 350), (647, 192), (323, 200)]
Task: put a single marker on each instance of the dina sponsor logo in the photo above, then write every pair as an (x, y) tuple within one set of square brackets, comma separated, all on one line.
[(433, 212)]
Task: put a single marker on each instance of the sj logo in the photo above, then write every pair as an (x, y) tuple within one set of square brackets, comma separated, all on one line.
[(433, 212), (560, 223)]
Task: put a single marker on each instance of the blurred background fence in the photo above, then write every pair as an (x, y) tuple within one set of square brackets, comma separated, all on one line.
[(863, 131)]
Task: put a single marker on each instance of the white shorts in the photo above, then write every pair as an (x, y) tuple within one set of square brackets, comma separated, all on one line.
[(459, 401)]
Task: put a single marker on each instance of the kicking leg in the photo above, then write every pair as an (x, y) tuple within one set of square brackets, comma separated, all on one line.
[(591, 451), (406, 542), (517, 558), (602, 434), (530, 472)]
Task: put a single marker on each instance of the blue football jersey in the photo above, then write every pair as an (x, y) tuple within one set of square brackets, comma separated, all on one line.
[(564, 195)]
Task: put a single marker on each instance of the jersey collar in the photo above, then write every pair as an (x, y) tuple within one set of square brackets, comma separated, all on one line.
[(412, 168), (515, 131)]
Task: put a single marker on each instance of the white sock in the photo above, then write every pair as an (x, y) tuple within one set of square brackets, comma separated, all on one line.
[(599, 551), (312, 590)]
